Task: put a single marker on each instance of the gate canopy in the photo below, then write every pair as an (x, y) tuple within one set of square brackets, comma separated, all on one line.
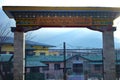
[(26, 16)]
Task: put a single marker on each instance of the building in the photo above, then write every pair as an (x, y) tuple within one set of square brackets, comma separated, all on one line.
[(32, 47), (30, 18), (52, 67)]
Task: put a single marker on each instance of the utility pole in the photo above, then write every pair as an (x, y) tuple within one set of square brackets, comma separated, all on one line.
[(64, 52)]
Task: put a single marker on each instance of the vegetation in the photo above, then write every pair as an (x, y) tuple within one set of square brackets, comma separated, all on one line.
[(5, 33)]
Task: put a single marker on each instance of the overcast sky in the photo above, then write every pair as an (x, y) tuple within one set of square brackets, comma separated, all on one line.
[(110, 3), (43, 33)]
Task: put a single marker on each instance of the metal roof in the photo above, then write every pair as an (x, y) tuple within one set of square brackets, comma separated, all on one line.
[(36, 61), (45, 58), (90, 57), (5, 57), (10, 40), (93, 57), (34, 64)]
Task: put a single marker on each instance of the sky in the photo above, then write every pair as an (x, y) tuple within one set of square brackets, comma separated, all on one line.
[(58, 35)]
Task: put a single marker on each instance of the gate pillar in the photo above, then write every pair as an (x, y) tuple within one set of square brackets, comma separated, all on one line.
[(19, 51), (19, 56), (109, 57)]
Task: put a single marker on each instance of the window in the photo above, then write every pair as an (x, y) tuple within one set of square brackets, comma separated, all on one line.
[(34, 69), (29, 53), (25, 69), (97, 67), (118, 68), (3, 52), (7, 67), (46, 67), (56, 66), (77, 58), (11, 52), (78, 68), (42, 54), (50, 76)]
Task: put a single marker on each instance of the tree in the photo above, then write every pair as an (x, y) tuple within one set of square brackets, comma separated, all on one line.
[(29, 36), (4, 33)]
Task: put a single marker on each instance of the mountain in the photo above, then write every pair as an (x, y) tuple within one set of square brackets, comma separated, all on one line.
[(74, 38)]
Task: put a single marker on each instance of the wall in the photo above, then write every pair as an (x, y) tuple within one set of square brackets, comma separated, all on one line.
[(7, 48)]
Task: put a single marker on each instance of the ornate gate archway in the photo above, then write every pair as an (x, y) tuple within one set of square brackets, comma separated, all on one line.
[(32, 18)]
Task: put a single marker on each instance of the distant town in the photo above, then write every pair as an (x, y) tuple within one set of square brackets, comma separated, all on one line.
[(44, 63)]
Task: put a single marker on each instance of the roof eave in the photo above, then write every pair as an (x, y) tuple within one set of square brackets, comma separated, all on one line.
[(8, 9)]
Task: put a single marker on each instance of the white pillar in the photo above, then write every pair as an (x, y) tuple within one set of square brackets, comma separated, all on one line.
[(109, 56), (19, 55)]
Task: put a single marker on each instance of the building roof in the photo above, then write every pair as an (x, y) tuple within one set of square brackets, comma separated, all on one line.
[(34, 64), (90, 57), (33, 43), (93, 57), (36, 61), (5, 57), (45, 58), (10, 40)]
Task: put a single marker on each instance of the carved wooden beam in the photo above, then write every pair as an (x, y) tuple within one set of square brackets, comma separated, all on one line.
[(24, 29), (102, 29)]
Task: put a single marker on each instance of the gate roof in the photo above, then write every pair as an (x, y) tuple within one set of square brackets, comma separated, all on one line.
[(73, 10), (62, 16)]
